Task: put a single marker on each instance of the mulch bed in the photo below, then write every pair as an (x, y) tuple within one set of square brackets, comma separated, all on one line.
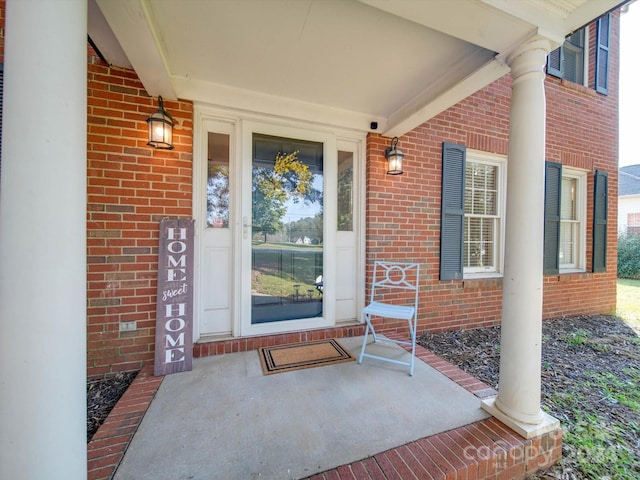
[(572, 350), (102, 396)]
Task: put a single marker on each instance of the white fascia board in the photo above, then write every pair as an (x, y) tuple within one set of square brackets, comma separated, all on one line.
[(131, 23), (415, 114), (235, 99)]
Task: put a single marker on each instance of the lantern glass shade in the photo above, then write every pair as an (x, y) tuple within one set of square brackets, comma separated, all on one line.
[(394, 158), (160, 128)]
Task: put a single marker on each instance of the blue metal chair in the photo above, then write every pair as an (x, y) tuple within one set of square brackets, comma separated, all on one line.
[(389, 278)]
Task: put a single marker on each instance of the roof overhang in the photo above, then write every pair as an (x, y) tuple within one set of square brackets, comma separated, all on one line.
[(342, 62)]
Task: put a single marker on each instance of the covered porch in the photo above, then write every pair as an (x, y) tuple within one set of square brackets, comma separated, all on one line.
[(439, 57), (225, 419)]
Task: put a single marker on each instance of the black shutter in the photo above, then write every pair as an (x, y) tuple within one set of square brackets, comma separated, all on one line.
[(554, 62), (602, 54), (552, 202), (600, 207), (452, 213)]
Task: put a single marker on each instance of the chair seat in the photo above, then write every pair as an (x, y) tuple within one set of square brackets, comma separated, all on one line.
[(390, 311), (388, 279)]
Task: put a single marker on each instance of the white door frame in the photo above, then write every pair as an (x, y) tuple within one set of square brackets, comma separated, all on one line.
[(242, 126)]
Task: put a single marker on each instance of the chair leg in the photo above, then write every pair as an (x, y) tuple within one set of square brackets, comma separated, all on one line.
[(367, 319), (412, 332)]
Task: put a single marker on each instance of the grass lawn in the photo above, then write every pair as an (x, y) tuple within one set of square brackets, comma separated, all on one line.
[(629, 302)]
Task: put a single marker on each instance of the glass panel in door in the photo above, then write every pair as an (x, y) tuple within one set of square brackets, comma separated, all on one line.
[(215, 238), (287, 229)]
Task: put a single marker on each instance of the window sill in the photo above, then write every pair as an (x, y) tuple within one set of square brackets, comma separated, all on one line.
[(481, 276), (569, 275), (567, 271)]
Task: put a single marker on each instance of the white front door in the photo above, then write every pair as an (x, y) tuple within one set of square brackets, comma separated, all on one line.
[(278, 225)]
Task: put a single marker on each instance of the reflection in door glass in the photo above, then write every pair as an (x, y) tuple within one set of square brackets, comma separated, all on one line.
[(287, 230), (218, 181), (345, 191)]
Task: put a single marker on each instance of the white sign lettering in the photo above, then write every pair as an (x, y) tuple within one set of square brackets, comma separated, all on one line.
[(174, 313)]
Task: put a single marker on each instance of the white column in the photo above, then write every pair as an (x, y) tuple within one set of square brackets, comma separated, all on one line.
[(518, 401), (42, 242)]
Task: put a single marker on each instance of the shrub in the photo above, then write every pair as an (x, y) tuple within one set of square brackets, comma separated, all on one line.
[(629, 256)]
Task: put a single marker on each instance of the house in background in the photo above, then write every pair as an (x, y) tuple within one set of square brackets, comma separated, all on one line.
[(629, 200), (506, 115)]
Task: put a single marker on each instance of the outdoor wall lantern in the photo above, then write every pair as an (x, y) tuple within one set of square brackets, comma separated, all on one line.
[(160, 128), (394, 158)]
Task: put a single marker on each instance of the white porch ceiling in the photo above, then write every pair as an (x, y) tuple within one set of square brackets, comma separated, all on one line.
[(341, 62)]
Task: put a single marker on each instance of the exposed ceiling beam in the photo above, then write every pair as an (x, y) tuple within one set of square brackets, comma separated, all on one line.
[(416, 114), (133, 27)]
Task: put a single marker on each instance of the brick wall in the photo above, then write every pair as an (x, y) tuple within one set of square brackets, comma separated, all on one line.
[(130, 187), (582, 131), (403, 213)]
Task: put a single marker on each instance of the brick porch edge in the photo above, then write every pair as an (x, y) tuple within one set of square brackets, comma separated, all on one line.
[(482, 450)]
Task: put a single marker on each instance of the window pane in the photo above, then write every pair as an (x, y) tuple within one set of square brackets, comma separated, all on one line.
[(287, 227), (577, 39), (569, 223), (218, 181), (345, 191), (481, 210), (479, 242), (568, 202), (567, 243), (573, 61), (481, 189)]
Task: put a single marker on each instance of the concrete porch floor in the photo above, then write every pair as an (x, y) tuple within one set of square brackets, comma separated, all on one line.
[(227, 420)]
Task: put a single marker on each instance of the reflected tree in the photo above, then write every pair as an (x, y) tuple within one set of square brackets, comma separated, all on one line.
[(218, 196), (273, 187)]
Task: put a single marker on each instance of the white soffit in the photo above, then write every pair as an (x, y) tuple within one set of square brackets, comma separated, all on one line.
[(473, 21), (341, 62)]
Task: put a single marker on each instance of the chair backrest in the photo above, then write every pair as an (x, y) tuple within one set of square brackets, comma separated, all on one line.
[(395, 275)]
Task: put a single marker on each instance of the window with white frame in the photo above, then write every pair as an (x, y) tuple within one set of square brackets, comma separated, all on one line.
[(483, 214), (572, 220), (472, 213)]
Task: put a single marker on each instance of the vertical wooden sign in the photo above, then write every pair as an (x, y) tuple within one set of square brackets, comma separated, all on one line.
[(174, 311)]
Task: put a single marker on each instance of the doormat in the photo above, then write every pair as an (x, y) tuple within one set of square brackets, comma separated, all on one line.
[(285, 358)]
